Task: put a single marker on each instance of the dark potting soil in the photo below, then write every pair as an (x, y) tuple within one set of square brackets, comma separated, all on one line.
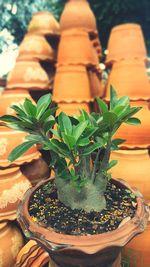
[(48, 211)]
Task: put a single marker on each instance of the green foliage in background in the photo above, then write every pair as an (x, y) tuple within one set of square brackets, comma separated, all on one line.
[(108, 14)]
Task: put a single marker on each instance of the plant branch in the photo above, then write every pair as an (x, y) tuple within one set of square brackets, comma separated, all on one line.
[(94, 166)]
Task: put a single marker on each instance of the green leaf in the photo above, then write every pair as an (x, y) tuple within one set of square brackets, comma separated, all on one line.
[(48, 124), (59, 147), (83, 142), (129, 113), (123, 101), (111, 164), (9, 118), (69, 140), (90, 149), (109, 118), (102, 105), (118, 141), (42, 104), (34, 138), (65, 123), (29, 107), (113, 97), (19, 111), (55, 133), (19, 150), (79, 129), (133, 121)]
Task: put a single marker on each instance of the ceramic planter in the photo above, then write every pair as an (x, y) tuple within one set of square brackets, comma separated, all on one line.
[(96, 43), (75, 48), (123, 42), (44, 23), (11, 241), (72, 108), (72, 251), (36, 171), (35, 47), (133, 166), (13, 185), (9, 139), (129, 77), (28, 75), (71, 84), (137, 136), (12, 97), (136, 252), (77, 14), (95, 84)]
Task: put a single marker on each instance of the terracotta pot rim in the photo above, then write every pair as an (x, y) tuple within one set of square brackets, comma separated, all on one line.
[(125, 26), (10, 216), (29, 86), (87, 244), (123, 59), (132, 152), (132, 98), (78, 101), (9, 170)]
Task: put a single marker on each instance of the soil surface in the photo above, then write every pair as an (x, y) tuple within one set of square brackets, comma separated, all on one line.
[(48, 211)]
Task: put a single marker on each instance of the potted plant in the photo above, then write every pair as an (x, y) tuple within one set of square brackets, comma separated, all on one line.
[(82, 217)]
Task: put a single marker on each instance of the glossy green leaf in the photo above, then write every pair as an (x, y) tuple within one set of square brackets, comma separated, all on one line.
[(113, 97), (29, 107), (79, 129), (118, 141), (111, 164), (9, 118), (109, 118), (69, 140), (102, 105), (20, 150), (42, 105), (88, 150), (65, 123), (83, 142), (133, 121)]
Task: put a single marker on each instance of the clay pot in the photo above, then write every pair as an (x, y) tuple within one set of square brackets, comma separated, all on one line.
[(72, 108), (44, 23), (36, 171), (28, 75), (13, 185), (123, 42), (71, 250), (78, 14), (134, 167), (35, 47), (94, 84), (11, 241), (136, 252), (75, 48), (129, 77), (71, 84), (136, 136), (12, 97), (97, 45), (9, 139)]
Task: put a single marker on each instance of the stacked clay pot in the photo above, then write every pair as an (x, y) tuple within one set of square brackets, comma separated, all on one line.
[(129, 77), (35, 65), (77, 59)]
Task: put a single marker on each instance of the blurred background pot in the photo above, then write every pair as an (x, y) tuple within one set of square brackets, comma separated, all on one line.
[(72, 108)]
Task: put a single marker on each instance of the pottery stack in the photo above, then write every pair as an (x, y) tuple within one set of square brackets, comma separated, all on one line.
[(34, 69), (76, 81), (127, 59)]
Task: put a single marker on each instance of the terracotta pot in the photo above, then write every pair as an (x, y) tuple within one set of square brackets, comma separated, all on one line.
[(11, 241), (117, 262), (78, 14), (134, 167), (129, 77), (9, 139), (95, 84), (136, 252), (28, 75), (96, 43), (75, 48), (136, 136), (44, 23), (71, 84), (35, 47), (123, 42), (36, 171), (72, 108), (13, 185), (70, 250), (12, 97)]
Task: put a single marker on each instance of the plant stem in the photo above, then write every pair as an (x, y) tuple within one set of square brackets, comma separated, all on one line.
[(94, 166)]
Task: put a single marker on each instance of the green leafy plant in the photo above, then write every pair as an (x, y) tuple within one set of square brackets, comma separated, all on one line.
[(80, 147)]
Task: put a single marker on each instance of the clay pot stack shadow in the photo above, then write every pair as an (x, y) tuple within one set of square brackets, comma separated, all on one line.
[(77, 74), (35, 65), (127, 60)]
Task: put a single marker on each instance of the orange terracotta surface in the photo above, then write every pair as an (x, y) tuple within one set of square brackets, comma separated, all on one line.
[(96, 43), (71, 84), (13, 185), (123, 42), (36, 47), (12, 97), (44, 23), (72, 108), (134, 167), (77, 14), (136, 136), (28, 75), (136, 252), (9, 139), (75, 47), (11, 241), (129, 77), (95, 84), (81, 250)]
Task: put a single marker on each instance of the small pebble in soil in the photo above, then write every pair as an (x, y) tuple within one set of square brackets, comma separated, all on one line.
[(48, 211)]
